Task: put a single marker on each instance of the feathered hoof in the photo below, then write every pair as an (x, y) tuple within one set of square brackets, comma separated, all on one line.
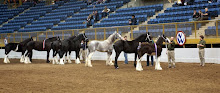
[(89, 65), (158, 68), (116, 67)]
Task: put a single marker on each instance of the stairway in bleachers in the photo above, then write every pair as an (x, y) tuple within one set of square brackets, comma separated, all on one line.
[(77, 20), (184, 13), (123, 15)]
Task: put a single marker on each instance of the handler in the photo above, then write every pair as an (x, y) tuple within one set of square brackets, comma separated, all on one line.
[(201, 46), (171, 54)]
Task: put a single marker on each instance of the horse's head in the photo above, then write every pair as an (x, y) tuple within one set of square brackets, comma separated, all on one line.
[(148, 37), (162, 39), (118, 36), (83, 37), (165, 39)]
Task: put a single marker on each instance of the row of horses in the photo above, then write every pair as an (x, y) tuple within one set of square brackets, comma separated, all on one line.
[(139, 46)]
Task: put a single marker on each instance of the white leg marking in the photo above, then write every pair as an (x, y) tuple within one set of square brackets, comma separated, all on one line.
[(89, 59), (5, 59), (65, 58), (69, 60), (56, 60), (53, 62), (157, 66), (22, 59), (139, 66), (77, 61), (27, 60), (61, 61)]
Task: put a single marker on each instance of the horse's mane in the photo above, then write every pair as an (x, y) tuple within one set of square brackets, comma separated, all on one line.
[(26, 41), (140, 37), (77, 37), (159, 40), (72, 37), (110, 38)]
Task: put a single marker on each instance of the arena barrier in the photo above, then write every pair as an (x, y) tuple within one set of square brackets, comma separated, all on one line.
[(191, 30), (187, 55)]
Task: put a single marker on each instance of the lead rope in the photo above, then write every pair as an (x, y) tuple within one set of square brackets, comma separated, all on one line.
[(44, 44), (155, 49)]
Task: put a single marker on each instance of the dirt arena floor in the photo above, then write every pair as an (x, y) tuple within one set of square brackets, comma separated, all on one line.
[(41, 77)]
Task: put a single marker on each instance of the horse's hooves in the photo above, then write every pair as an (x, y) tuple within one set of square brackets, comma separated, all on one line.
[(48, 61), (116, 67)]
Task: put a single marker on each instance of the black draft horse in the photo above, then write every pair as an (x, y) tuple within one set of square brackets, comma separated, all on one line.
[(17, 47), (151, 49), (56, 45), (44, 45), (72, 45), (129, 47)]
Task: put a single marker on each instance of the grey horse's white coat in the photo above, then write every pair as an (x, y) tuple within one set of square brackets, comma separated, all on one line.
[(102, 46)]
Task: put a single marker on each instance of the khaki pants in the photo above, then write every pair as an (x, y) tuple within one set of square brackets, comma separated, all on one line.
[(201, 56), (171, 56), (83, 53)]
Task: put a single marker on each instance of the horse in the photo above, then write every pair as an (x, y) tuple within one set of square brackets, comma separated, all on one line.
[(69, 45), (129, 47), (17, 47), (55, 46), (44, 45), (102, 46), (151, 49)]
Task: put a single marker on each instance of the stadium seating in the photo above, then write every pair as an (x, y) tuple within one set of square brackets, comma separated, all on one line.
[(77, 20), (6, 14), (123, 15), (211, 30), (184, 13)]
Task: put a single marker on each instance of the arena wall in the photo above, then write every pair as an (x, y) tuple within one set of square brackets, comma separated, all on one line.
[(188, 55)]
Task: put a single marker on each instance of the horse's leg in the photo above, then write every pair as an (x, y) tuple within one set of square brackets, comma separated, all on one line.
[(6, 60), (157, 65), (26, 57), (116, 59), (77, 61), (61, 53), (89, 59), (135, 58), (22, 56), (65, 58), (54, 54), (69, 60), (109, 59), (139, 66), (56, 59), (30, 57), (48, 54)]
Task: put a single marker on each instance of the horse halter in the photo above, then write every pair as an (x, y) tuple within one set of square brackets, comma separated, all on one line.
[(148, 37), (85, 37)]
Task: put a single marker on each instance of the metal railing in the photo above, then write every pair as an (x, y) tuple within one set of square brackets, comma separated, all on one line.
[(191, 30)]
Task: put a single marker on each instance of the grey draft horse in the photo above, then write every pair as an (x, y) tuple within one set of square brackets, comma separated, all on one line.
[(102, 46)]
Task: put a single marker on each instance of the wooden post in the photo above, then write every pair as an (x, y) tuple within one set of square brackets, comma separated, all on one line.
[(176, 27), (95, 35), (132, 33), (14, 36), (195, 28), (104, 33), (146, 28), (217, 29), (163, 29), (21, 37)]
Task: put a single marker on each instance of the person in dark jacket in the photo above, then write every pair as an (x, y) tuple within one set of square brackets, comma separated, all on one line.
[(133, 21), (96, 16), (171, 53), (195, 15)]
